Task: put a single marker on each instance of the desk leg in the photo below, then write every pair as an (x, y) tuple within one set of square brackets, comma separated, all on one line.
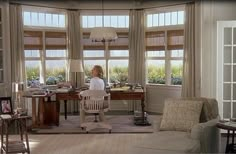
[(6, 129), (57, 112), (65, 107), (41, 109), (24, 125), (2, 127), (34, 112), (232, 145), (227, 143), (19, 124)]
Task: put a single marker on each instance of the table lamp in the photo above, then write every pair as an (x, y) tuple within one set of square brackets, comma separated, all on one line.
[(17, 89), (76, 66)]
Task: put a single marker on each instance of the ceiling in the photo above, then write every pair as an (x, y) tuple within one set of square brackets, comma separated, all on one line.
[(96, 4)]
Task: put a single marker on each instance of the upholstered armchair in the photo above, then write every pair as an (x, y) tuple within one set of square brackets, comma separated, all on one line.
[(203, 137)]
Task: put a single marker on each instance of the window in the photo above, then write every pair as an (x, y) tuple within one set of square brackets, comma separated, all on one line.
[(43, 19), (44, 47), (165, 18), (115, 65), (164, 47), (117, 21), (114, 58)]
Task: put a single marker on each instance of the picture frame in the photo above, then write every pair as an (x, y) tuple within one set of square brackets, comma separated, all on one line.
[(6, 105)]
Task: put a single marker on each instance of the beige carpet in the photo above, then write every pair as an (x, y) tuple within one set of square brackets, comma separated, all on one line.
[(84, 143), (119, 123)]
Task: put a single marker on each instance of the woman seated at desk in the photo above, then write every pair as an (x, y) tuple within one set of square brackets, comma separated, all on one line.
[(96, 83)]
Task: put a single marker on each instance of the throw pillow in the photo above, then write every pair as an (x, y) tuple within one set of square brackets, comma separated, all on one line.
[(181, 115)]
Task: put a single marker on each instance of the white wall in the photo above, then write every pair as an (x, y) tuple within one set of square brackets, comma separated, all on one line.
[(156, 95), (211, 12)]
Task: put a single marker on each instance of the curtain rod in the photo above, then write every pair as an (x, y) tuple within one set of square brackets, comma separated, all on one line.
[(75, 9), (52, 7), (169, 5)]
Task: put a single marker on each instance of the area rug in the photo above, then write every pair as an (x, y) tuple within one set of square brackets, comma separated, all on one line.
[(119, 123)]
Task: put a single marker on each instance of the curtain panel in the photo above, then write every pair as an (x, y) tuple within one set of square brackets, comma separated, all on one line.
[(137, 47), (17, 44), (74, 43), (191, 56)]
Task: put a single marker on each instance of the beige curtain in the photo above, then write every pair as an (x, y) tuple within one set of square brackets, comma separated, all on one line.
[(137, 47), (74, 52), (17, 44), (74, 42), (136, 50), (191, 61)]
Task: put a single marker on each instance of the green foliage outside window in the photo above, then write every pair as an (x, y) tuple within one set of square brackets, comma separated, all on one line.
[(53, 76), (32, 73), (156, 74), (176, 76), (118, 74)]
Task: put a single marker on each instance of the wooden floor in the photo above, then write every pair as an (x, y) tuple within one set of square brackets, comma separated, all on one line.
[(84, 143)]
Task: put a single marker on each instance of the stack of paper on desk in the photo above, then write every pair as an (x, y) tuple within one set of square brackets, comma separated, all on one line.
[(62, 90), (5, 116)]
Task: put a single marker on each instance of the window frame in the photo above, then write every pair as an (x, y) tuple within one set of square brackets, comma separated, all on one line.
[(167, 58), (107, 56), (43, 29), (43, 10)]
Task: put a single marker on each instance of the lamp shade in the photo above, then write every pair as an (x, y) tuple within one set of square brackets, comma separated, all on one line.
[(103, 34), (76, 65)]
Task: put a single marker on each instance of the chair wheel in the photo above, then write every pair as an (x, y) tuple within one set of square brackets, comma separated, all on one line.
[(87, 132), (109, 131)]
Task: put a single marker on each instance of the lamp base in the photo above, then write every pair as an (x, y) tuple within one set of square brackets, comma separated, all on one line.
[(20, 111)]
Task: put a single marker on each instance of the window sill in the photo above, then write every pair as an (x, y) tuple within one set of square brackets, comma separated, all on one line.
[(163, 86)]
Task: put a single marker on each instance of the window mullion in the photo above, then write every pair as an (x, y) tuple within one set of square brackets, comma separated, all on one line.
[(107, 56), (167, 62), (43, 61), (168, 68)]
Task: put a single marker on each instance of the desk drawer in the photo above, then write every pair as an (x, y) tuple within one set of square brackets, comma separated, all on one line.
[(67, 96), (127, 96)]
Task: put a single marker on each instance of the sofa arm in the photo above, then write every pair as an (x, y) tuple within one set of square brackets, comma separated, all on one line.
[(208, 134)]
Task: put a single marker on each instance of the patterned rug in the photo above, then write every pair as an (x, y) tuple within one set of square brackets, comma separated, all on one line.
[(119, 123)]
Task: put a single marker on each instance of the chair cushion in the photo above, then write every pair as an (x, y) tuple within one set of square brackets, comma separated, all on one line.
[(180, 115)]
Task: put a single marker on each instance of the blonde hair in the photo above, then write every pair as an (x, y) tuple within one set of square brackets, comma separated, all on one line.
[(99, 70)]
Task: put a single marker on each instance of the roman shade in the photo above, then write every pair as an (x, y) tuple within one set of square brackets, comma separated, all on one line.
[(33, 40)]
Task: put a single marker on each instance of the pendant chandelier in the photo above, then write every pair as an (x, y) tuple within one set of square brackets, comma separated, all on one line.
[(103, 34)]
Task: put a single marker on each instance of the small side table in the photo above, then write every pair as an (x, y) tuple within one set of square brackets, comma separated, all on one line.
[(16, 146), (229, 126)]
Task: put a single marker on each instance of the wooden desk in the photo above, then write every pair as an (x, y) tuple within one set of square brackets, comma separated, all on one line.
[(38, 120), (115, 95), (65, 96)]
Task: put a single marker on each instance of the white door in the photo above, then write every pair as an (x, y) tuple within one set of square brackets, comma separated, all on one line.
[(226, 69)]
